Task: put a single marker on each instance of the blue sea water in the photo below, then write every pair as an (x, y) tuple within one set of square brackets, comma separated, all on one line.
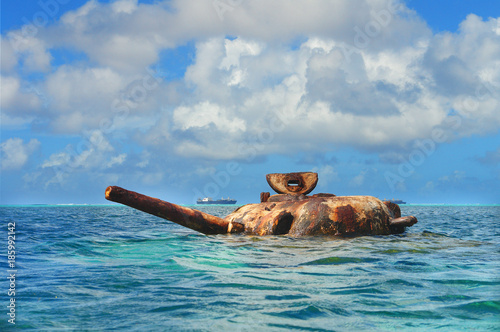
[(116, 268)]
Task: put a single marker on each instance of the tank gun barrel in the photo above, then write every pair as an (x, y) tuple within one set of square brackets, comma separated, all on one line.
[(196, 220)]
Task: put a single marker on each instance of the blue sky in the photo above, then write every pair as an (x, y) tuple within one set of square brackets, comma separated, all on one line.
[(182, 99)]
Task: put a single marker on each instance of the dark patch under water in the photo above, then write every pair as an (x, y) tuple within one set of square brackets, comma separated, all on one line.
[(112, 267)]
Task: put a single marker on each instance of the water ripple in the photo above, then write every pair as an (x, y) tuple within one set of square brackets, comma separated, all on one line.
[(114, 268)]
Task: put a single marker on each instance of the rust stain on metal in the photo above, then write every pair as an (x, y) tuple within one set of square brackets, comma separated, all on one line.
[(394, 209), (346, 216)]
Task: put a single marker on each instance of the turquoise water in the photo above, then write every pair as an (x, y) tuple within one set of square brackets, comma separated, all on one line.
[(112, 267)]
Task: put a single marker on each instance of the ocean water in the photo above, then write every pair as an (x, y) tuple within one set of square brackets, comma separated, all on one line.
[(115, 268)]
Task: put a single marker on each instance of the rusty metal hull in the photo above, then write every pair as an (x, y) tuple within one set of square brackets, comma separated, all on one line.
[(339, 216)]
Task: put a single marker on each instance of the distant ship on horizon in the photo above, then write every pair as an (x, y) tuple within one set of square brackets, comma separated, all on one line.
[(397, 201), (209, 200)]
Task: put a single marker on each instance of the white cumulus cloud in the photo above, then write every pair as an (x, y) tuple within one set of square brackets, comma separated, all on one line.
[(15, 153), (265, 77)]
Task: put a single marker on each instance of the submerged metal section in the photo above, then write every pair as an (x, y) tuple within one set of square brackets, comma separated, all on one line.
[(290, 212)]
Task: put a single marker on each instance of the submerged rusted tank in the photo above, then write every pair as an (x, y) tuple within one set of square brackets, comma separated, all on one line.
[(291, 211)]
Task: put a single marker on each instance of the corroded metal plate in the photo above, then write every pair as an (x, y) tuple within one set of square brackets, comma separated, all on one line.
[(293, 183)]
